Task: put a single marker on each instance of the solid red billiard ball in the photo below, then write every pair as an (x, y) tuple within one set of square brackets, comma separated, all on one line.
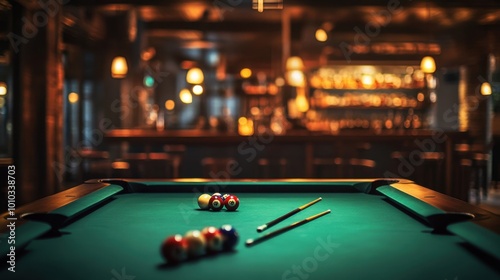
[(196, 243), (203, 201), (230, 237), (216, 203), (174, 249), (213, 238), (232, 202)]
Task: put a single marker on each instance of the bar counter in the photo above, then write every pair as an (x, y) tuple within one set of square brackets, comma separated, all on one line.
[(306, 145), (195, 136)]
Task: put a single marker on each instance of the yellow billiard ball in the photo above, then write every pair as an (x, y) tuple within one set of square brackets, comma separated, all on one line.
[(203, 201)]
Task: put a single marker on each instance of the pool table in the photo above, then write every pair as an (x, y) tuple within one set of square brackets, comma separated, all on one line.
[(377, 229)]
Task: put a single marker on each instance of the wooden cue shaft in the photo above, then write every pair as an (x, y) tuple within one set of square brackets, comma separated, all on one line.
[(251, 242), (287, 215)]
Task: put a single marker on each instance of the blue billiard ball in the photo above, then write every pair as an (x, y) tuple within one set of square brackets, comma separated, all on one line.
[(230, 237)]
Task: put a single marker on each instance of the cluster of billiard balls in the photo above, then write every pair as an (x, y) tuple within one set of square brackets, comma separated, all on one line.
[(195, 243), (217, 201)]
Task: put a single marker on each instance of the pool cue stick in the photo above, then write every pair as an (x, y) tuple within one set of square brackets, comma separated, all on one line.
[(287, 215), (251, 242)]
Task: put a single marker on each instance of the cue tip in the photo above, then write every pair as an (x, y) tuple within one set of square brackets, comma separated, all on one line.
[(261, 228), (249, 242)]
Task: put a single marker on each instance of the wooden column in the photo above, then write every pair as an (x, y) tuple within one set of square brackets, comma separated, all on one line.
[(54, 103), (37, 88)]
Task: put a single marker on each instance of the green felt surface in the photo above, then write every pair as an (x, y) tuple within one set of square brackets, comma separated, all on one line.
[(368, 237)]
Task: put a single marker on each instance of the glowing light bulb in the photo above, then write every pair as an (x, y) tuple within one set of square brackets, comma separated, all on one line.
[(428, 65), (119, 67)]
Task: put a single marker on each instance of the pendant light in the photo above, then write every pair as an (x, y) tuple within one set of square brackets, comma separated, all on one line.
[(119, 67), (428, 65), (485, 88)]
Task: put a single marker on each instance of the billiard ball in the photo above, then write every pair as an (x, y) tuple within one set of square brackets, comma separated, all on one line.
[(217, 194), (216, 203), (232, 202), (230, 237), (224, 196), (214, 239), (196, 243), (203, 201), (174, 249)]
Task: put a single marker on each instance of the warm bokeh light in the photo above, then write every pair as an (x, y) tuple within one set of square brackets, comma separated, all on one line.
[(185, 96), (255, 111), (245, 126), (197, 89), (301, 100), (246, 73), (485, 88), (148, 53), (296, 78), (73, 97), (368, 81), (120, 165), (195, 76), (119, 67), (294, 63), (321, 35), (3, 88), (169, 105), (279, 81), (242, 121), (327, 26), (2, 102), (427, 65), (272, 89), (420, 97)]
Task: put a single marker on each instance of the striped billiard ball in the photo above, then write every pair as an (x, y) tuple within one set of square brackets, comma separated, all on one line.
[(216, 203), (230, 237), (232, 202), (196, 243), (174, 249), (214, 239)]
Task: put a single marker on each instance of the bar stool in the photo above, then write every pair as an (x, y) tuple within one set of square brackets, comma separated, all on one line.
[(268, 168), (361, 168), (479, 167), (160, 165), (94, 164), (399, 166), (329, 167), (218, 168), (430, 171), (177, 153), (136, 164), (462, 170)]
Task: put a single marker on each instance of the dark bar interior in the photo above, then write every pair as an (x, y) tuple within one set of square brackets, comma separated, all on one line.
[(228, 90), (312, 90)]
